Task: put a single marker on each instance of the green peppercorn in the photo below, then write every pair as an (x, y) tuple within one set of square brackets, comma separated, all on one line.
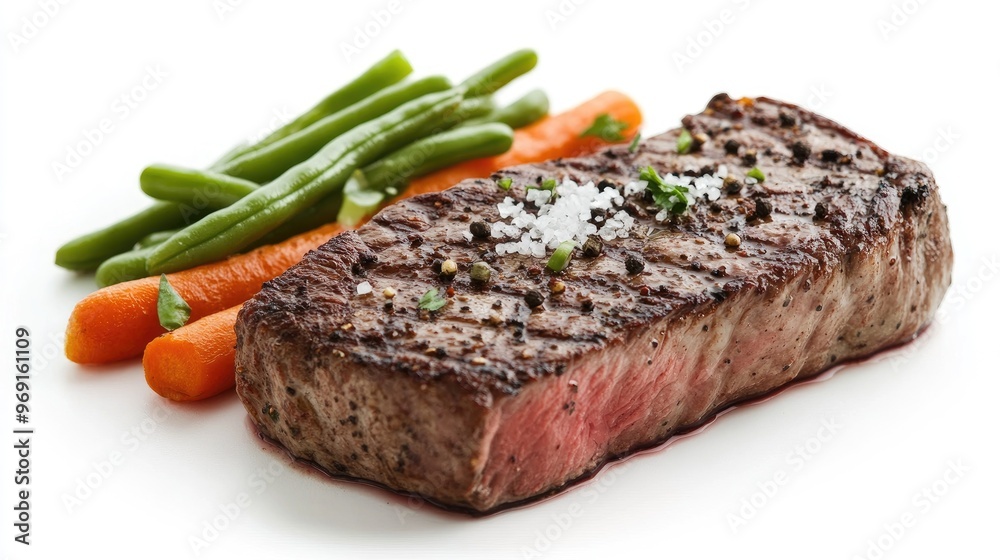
[(480, 272)]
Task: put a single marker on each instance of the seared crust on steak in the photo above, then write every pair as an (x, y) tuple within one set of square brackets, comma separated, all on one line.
[(488, 402)]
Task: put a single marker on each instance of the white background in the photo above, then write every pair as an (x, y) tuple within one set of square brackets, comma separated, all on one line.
[(921, 81)]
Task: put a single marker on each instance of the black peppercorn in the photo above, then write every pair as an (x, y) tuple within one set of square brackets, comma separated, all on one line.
[(750, 157), (821, 210), (800, 152), (787, 120), (479, 229), (732, 185), (732, 147), (762, 208), (592, 247), (634, 263), (534, 298), (830, 156)]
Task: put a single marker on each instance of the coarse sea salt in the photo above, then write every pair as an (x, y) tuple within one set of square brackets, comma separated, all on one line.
[(576, 212), (364, 288), (563, 214)]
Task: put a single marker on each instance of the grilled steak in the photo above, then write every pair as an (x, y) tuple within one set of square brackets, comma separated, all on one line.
[(511, 391)]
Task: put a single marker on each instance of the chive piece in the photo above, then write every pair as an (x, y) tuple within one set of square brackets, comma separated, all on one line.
[(756, 173), (634, 145), (684, 142), (505, 183), (606, 128), (549, 184), (171, 308), (431, 301), (560, 259), (666, 196)]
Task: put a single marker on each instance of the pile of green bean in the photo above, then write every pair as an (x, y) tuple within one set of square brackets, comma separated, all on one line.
[(340, 159)]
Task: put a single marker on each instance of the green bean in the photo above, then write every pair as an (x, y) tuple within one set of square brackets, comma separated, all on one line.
[(395, 170), (270, 161), (88, 251), (471, 108), (530, 108), (235, 227), (323, 212), (391, 69), (441, 150), (206, 189), (500, 73), (155, 238), (123, 267)]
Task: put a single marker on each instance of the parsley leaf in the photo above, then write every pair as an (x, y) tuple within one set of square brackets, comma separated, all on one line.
[(431, 301), (666, 196), (606, 128), (505, 183), (171, 309)]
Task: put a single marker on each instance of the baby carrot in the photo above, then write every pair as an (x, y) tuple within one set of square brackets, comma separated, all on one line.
[(116, 322), (195, 361)]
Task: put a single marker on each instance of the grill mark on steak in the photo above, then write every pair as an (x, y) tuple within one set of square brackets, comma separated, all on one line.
[(444, 397)]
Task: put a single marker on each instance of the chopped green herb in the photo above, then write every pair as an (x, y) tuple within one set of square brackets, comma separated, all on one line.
[(666, 196), (171, 308), (684, 142), (547, 185), (431, 301), (560, 259), (505, 183), (756, 173), (634, 145), (606, 128)]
